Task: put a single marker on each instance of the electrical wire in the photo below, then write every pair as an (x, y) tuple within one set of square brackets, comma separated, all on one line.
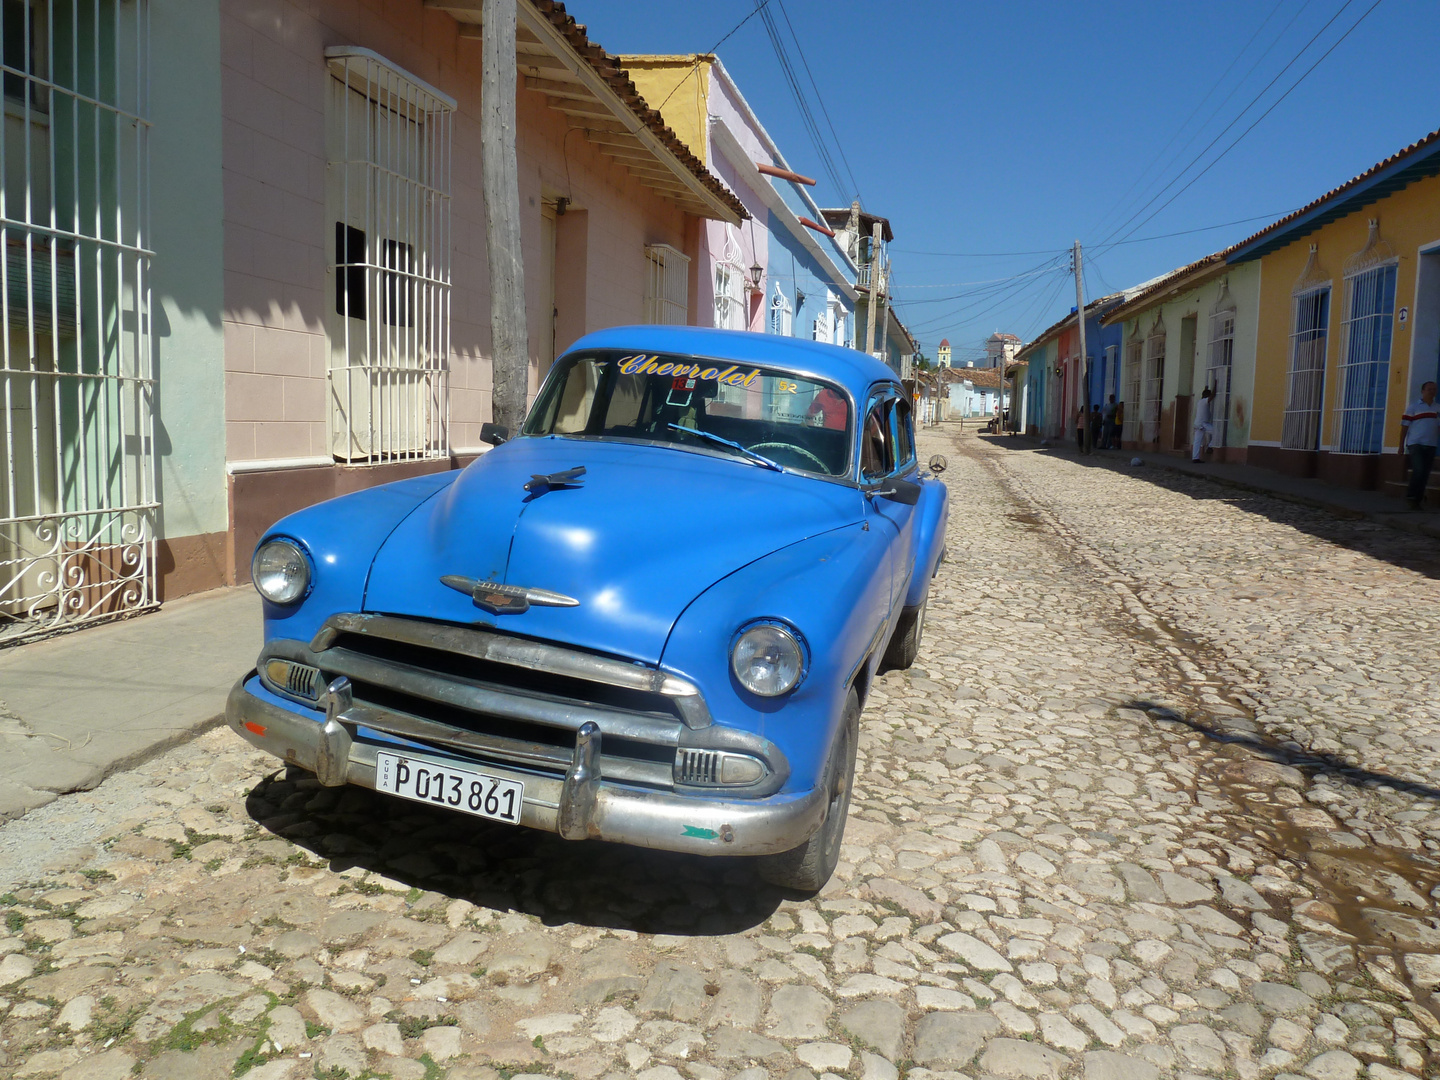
[(807, 118), (1240, 115), (712, 49), (1273, 105), (820, 98), (1144, 173)]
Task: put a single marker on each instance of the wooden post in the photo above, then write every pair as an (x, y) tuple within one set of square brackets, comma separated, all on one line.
[(509, 340), (874, 300), (1083, 374)]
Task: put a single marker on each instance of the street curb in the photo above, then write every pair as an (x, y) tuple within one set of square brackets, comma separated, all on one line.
[(1398, 521)]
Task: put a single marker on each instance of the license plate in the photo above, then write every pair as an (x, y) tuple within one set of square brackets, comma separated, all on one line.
[(428, 781)]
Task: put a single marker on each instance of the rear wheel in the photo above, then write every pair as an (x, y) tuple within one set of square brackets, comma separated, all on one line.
[(905, 642), (808, 867)]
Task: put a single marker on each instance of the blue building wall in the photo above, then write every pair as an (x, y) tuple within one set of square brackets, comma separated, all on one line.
[(796, 271)]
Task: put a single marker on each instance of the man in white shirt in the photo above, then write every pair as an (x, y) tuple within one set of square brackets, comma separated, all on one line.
[(1420, 434), (1204, 426)]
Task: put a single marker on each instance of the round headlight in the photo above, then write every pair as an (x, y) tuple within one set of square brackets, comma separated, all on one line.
[(767, 660), (280, 571)]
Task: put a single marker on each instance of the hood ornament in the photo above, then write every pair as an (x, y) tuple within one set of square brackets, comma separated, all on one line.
[(539, 483), (500, 599)]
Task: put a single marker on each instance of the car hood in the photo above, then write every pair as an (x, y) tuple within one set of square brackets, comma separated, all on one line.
[(645, 530)]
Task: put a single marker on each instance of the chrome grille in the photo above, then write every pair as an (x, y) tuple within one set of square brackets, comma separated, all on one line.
[(697, 767)]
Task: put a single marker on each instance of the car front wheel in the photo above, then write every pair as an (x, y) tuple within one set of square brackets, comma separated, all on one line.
[(808, 867), (905, 642)]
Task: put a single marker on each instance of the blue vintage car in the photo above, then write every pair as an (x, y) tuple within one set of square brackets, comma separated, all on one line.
[(651, 617)]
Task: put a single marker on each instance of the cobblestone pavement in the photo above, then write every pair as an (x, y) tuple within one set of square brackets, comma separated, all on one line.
[(1158, 799)]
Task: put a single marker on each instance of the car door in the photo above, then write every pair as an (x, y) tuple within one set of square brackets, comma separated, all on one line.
[(885, 457)]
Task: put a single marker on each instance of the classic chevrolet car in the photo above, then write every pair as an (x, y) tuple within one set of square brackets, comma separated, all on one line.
[(650, 617)]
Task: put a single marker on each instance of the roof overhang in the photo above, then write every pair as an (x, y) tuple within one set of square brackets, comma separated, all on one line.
[(1415, 162), (584, 83), (1168, 287)]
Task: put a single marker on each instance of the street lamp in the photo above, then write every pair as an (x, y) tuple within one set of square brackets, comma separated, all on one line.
[(756, 273)]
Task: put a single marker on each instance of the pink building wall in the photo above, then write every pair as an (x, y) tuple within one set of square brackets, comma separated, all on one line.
[(276, 226)]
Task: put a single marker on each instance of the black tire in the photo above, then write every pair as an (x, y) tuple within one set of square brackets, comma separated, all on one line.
[(905, 642), (807, 868)]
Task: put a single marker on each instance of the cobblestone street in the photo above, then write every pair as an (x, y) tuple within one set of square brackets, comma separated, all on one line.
[(1158, 799)]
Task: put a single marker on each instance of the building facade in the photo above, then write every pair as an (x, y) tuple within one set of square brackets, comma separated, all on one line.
[(1349, 321), (783, 272), (268, 284), (1189, 330)]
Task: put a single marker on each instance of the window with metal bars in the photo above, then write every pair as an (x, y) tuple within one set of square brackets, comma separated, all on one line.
[(1365, 360), (667, 285), (1153, 383), (1305, 390), (1219, 366), (388, 192), (781, 313)]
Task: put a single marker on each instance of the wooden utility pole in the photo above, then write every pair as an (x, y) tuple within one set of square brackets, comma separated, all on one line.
[(509, 341), (1084, 373), (874, 301)]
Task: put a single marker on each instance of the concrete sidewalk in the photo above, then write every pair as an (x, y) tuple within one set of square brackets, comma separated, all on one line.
[(76, 708), (1343, 502)]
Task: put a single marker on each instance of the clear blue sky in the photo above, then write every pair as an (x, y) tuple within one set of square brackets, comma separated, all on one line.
[(1023, 125)]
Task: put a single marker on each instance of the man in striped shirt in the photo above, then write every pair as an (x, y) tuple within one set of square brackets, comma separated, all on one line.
[(1420, 428)]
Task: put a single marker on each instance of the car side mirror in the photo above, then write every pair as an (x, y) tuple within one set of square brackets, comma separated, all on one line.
[(938, 464), (494, 434), (901, 491)]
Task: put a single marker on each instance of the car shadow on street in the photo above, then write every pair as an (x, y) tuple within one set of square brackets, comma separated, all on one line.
[(508, 868), (1310, 762), (1410, 551)]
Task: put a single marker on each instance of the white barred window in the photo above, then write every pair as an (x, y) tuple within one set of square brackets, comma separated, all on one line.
[(781, 314), (388, 193), (667, 285), (730, 286)]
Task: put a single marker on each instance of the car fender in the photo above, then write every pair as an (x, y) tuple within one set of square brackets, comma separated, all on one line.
[(931, 516), (833, 589), (341, 536)]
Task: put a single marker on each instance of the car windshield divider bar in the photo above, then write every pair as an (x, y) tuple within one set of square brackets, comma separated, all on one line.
[(522, 653)]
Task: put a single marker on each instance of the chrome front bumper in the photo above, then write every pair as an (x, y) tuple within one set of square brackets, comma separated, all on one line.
[(584, 805)]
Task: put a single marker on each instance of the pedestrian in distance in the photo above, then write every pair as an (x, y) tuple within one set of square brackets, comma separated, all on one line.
[(1097, 428), (1080, 427), (1107, 425), (1204, 426), (1419, 436), (1117, 425)]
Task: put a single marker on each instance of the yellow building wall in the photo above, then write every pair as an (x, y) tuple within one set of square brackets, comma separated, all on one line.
[(1409, 219), (682, 83)]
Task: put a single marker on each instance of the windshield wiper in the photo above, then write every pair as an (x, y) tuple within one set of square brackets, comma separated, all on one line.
[(759, 459)]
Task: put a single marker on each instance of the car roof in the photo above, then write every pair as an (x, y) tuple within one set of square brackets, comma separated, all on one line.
[(853, 370)]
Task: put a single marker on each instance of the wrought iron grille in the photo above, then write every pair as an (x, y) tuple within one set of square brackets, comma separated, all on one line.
[(1134, 360), (1306, 389), (1154, 382), (1220, 360), (388, 190), (667, 285), (1364, 372), (77, 478)]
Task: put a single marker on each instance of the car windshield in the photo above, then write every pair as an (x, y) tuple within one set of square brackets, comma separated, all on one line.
[(690, 401)]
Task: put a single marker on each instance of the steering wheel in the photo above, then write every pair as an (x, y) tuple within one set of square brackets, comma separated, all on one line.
[(794, 450)]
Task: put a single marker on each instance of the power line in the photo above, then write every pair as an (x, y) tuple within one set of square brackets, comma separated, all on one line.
[(1144, 173), (1238, 116), (821, 99), (717, 45), (787, 70), (1262, 116), (1188, 232)]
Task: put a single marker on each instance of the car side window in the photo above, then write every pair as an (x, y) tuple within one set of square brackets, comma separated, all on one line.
[(902, 434), (876, 448)]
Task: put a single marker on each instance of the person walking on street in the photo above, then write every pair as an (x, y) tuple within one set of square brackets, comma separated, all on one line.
[(1204, 426), (1080, 415), (1107, 426), (1097, 428), (1117, 425), (1420, 434)]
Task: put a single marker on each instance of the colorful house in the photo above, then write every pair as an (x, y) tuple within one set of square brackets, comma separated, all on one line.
[(1349, 320), (1190, 329), (1056, 382), (783, 271)]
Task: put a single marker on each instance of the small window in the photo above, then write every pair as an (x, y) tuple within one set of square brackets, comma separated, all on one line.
[(667, 285)]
